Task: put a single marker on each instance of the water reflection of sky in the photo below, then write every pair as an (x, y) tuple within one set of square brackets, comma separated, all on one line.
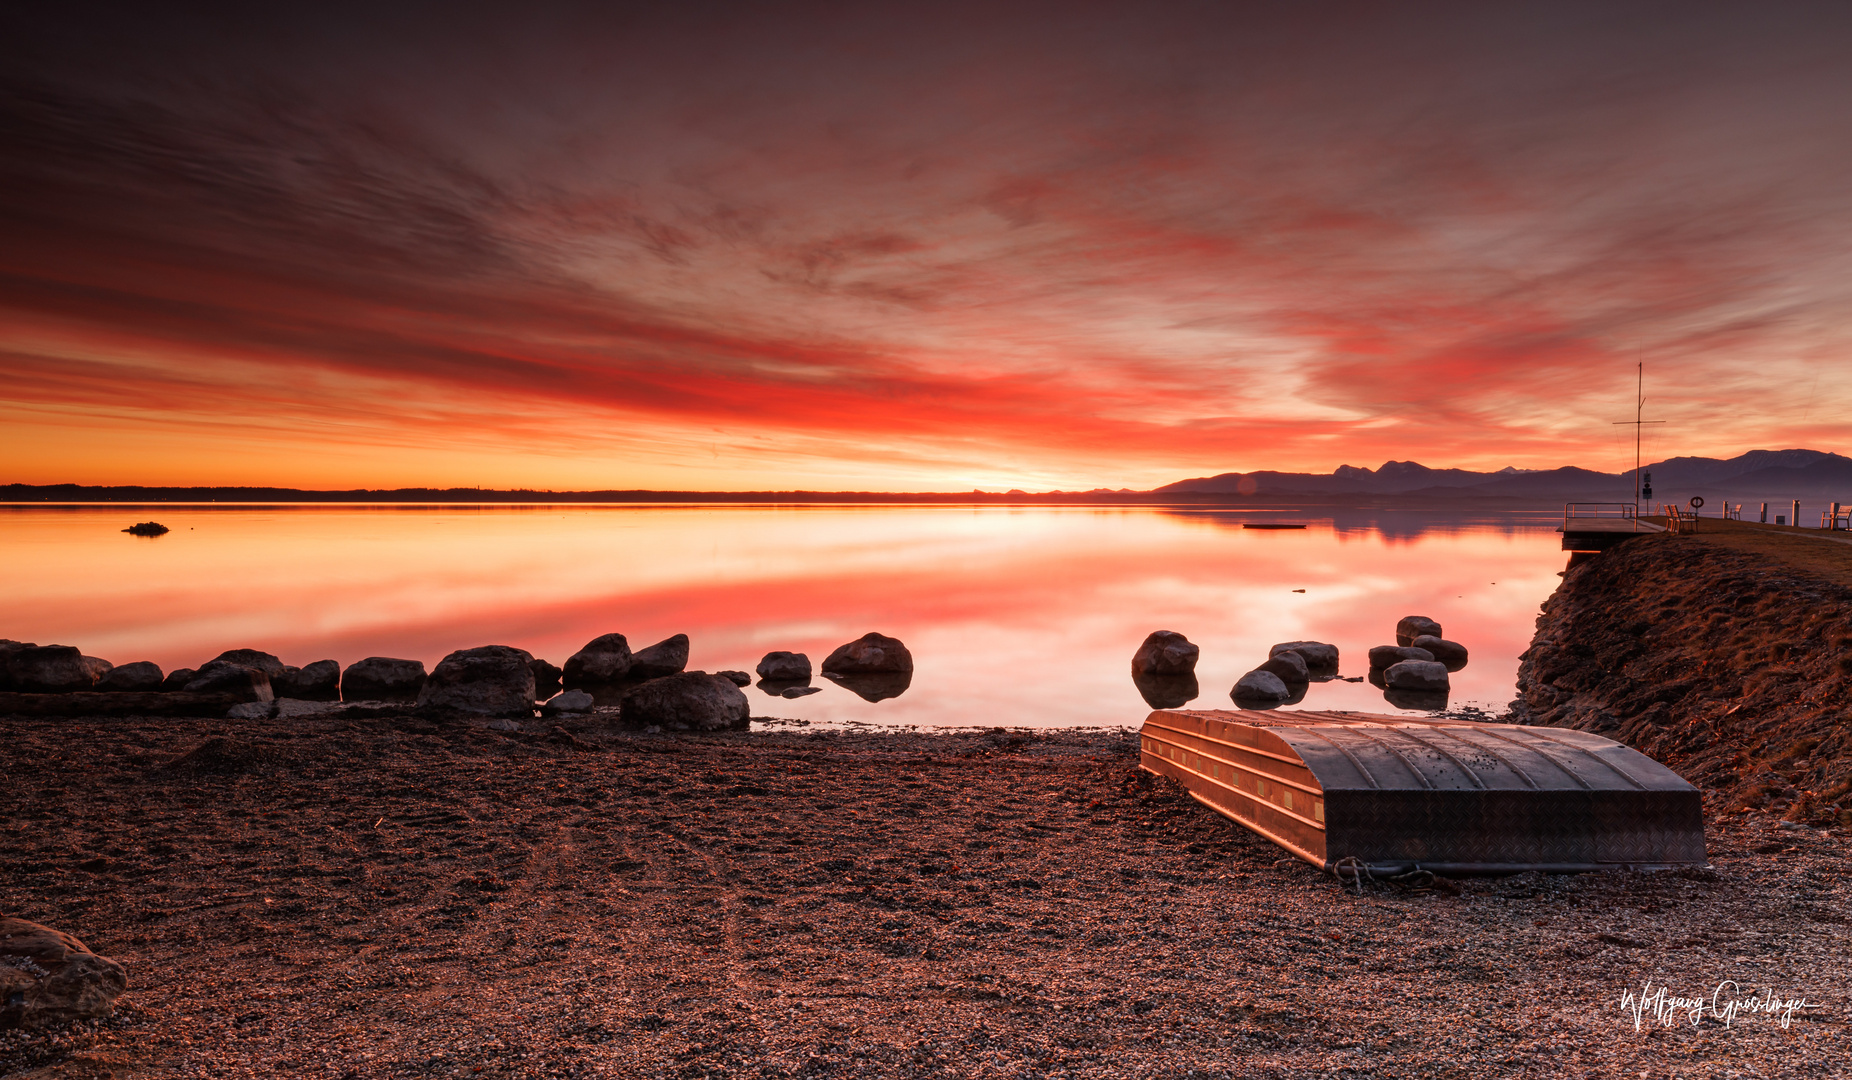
[(1015, 616)]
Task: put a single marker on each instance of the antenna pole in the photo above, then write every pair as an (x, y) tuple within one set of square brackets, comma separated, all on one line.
[(1639, 411)]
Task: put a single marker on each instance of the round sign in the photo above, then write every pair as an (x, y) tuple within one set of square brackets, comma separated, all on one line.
[(1697, 501)]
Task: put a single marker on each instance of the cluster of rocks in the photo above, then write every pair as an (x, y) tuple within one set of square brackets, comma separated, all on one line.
[(1412, 673), (1282, 680), (874, 666)]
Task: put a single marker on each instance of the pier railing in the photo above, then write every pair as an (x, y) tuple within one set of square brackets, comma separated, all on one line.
[(1585, 511)]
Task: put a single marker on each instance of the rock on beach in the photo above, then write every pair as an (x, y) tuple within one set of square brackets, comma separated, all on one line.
[(604, 660), (489, 680), (320, 681), (1165, 652), (547, 679), (667, 657), (52, 669), (231, 680), (272, 667), (177, 679), (382, 678), (686, 701), (140, 677), (50, 977)]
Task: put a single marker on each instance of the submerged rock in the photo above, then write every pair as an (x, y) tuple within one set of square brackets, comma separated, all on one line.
[(50, 977), (667, 657), (382, 678), (53, 669), (1290, 666), (231, 680), (1384, 655), (784, 666), (870, 654), (604, 660), (1165, 652), (801, 691), (1259, 687), (1413, 626), (1450, 653), (1167, 691), (147, 528), (140, 677), (1426, 675), (489, 680), (686, 701), (1321, 658)]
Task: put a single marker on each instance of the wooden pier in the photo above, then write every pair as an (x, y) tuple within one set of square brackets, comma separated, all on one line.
[(1591, 527)]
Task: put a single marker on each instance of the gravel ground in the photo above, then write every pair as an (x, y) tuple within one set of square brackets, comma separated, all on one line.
[(389, 897)]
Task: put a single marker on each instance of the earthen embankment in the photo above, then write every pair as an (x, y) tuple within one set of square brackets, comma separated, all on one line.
[(1726, 655)]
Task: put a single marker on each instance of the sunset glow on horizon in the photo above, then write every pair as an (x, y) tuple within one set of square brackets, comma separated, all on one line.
[(844, 248)]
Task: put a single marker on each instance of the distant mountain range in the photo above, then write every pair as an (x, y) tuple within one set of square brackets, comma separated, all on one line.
[(1775, 476)]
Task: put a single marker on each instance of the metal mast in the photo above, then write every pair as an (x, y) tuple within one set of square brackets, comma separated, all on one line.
[(1639, 410)]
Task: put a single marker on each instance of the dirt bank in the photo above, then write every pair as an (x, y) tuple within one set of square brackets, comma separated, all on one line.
[(1726, 655), (397, 898)]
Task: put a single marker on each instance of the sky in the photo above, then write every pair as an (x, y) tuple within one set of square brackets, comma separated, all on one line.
[(921, 247)]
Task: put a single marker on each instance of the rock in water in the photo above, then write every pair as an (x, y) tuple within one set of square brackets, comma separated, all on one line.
[(1450, 653), (320, 681), (231, 680), (49, 977), (737, 678), (1165, 652), (784, 667), (257, 661), (382, 678), (147, 528), (572, 701), (1413, 626), (667, 657), (141, 677), (546, 679), (53, 669), (603, 661), (1384, 655), (1289, 666), (870, 654), (686, 701), (177, 679), (1426, 675), (489, 680), (1321, 659), (1167, 691), (1260, 687)]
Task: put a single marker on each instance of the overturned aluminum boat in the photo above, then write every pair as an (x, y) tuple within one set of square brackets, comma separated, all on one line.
[(1448, 796)]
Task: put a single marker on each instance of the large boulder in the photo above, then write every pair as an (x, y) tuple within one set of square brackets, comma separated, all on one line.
[(870, 654), (686, 701), (229, 680), (53, 669), (667, 657), (141, 677), (603, 661), (1321, 659), (1382, 656), (254, 659), (177, 679), (489, 680), (546, 679), (784, 667), (320, 681), (7, 648), (1450, 653), (1411, 627), (1167, 691), (49, 977), (1425, 675), (1165, 652), (1289, 666), (1260, 688), (382, 678)]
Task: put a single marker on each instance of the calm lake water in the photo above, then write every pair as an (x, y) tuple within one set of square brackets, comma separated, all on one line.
[(1015, 617)]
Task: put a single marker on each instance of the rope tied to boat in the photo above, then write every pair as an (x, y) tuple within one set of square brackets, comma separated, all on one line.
[(1352, 872)]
